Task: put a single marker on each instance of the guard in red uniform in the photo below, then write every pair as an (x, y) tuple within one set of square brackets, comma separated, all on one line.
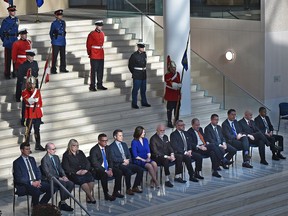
[(33, 112), (94, 45), (172, 90), (19, 49)]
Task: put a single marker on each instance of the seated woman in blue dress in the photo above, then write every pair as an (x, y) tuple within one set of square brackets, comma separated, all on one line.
[(142, 156), (77, 166)]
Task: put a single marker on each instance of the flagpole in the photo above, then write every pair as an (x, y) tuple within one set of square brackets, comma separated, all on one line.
[(181, 80), (47, 61)]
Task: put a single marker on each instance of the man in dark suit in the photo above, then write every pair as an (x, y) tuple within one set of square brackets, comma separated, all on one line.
[(27, 177), (234, 136), (102, 164), (185, 150), (205, 148), (51, 167), (122, 160), (254, 135), (263, 122), (214, 135), (163, 153)]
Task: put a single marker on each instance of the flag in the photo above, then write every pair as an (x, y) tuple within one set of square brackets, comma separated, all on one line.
[(28, 74), (185, 60), (39, 3), (10, 2), (47, 75)]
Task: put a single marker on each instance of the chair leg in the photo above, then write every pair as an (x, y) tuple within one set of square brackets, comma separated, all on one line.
[(14, 201), (98, 189), (28, 205), (161, 173), (79, 193)]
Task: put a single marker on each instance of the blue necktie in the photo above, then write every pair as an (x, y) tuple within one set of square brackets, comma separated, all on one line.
[(104, 160), (233, 129)]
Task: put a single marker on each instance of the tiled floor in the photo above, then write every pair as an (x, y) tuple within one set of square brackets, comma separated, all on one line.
[(153, 197)]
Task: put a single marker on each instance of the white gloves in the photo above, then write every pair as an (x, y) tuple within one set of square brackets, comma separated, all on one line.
[(176, 86), (32, 100)]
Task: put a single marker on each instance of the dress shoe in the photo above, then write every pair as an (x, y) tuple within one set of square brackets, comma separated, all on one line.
[(180, 180), (102, 88), (109, 197), (279, 155), (18, 100), (193, 179), (264, 162), (64, 70), (219, 169), (53, 72), (135, 106), (146, 105), (170, 125), (7, 77), (137, 190), (275, 157), (91, 202), (198, 176), (13, 75), (216, 174), (118, 195), (22, 122), (64, 207), (92, 89), (168, 184), (40, 148), (129, 192), (247, 165)]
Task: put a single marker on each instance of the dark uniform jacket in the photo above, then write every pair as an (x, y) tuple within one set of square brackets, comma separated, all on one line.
[(22, 72), (58, 33), (9, 31), (138, 60)]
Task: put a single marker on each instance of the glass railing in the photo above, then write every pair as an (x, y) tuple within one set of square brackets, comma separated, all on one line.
[(223, 90), (199, 8)]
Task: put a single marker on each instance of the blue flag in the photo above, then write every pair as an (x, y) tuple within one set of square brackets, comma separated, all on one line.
[(185, 60), (10, 2), (39, 3)]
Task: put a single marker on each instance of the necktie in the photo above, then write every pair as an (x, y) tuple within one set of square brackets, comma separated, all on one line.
[(122, 151), (54, 165), (201, 137), (30, 170), (184, 141), (266, 125), (249, 123), (233, 129), (104, 159), (217, 135)]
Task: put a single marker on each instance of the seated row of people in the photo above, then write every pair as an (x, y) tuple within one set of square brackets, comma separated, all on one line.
[(116, 160)]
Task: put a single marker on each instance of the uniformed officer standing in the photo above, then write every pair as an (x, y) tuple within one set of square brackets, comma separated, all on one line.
[(33, 112), (19, 50), (28, 68), (137, 66), (172, 91), (58, 41), (9, 33), (94, 45)]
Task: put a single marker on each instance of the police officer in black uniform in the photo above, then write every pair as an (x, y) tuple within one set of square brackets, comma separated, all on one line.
[(137, 66), (28, 68), (58, 41)]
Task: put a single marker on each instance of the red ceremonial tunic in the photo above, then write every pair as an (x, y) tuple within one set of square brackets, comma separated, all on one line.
[(170, 93), (19, 52), (94, 44), (29, 114)]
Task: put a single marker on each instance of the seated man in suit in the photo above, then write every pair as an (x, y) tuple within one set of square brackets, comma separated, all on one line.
[(51, 167), (263, 122), (254, 135), (27, 177), (163, 153), (213, 133), (122, 160), (185, 150), (102, 164), (235, 137), (205, 148)]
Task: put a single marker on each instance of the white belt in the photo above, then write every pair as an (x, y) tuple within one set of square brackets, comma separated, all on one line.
[(21, 56), (97, 47), (139, 68), (27, 105)]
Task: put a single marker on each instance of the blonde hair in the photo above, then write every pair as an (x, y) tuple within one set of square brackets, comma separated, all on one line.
[(70, 143)]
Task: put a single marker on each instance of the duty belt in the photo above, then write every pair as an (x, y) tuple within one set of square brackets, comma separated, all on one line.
[(21, 56), (32, 105), (97, 47), (139, 68)]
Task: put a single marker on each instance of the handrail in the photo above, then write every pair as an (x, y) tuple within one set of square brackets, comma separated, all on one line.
[(226, 77), (232, 14), (132, 5), (55, 180)]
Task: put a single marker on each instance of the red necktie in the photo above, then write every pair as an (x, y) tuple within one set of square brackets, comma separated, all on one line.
[(201, 137)]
